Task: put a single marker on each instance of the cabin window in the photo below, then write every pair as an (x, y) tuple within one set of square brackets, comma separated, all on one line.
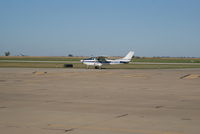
[(90, 58)]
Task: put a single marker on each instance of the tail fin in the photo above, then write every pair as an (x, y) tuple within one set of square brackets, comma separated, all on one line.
[(129, 56)]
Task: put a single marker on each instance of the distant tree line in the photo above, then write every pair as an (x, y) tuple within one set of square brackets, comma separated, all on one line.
[(7, 53)]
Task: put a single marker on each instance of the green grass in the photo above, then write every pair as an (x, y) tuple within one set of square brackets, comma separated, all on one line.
[(79, 65), (145, 59), (37, 65), (31, 65), (167, 60), (35, 58)]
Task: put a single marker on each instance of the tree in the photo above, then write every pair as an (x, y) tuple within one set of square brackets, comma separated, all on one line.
[(7, 53), (70, 55)]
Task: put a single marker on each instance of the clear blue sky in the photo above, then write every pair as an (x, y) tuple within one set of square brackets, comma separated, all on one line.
[(100, 27)]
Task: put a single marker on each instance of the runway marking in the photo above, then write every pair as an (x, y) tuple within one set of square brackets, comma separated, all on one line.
[(190, 76), (124, 130), (142, 76), (39, 73)]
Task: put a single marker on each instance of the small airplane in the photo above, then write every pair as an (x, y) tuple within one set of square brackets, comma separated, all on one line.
[(97, 62)]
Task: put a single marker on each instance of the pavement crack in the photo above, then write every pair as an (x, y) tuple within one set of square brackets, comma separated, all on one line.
[(186, 119), (159, 106), (68, 130), (3, 107), (182, 77), (123, 115)]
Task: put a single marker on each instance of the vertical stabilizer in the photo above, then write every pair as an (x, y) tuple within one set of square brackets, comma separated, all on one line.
[(129, 56)]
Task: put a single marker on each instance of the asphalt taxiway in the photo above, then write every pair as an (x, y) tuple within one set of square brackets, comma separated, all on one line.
[(81, 101)]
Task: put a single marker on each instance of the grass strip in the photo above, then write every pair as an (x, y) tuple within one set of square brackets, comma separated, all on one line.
[(79, 65)]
